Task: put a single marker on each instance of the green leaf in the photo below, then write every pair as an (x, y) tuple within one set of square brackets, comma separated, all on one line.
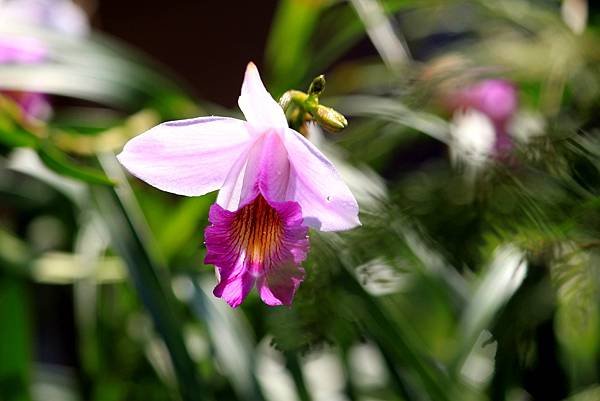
[(59, 162), (15, 340), (131, 240), (394, 111), (183, 224), (397, 340), (496, 286), (576, 276), (292, 363), (17, 137), (15, 256), (13, 134)]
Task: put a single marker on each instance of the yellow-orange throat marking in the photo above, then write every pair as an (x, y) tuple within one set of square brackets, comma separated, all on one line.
[(258, 230)]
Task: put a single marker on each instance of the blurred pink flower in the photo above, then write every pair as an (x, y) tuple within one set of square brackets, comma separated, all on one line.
[(494, 98), (57, 15), (273, 184), (24, 51)]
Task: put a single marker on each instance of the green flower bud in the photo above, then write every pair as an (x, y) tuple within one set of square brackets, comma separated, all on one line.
[(317, 86), (329, 119), (292, 97), (301, 107)]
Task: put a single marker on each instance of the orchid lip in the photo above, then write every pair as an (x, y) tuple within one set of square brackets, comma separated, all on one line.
[(261, 243)]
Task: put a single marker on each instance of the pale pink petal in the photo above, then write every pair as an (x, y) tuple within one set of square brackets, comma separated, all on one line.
[(327, 203), (261, 111), (187, 157), (263, 169), (274, 169), (240, 186)]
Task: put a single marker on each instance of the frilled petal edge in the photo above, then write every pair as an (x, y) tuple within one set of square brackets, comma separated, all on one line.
[(262, 242)]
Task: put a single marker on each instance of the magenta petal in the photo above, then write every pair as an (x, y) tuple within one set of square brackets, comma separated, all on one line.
[(235, 281), (262, 241), (326, 201), (187, 157), (279, 287), (295, 239), (261, 111), (235, 288)]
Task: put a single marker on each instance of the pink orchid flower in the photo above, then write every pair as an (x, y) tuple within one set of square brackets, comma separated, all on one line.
[(274, 184), (497, 99)]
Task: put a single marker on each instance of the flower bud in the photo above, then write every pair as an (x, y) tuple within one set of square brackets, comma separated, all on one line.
[(302, 107), (329, 119), (317, 86)]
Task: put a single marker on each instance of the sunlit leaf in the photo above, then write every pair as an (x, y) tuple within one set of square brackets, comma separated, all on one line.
[(497, 284), (59, 162)]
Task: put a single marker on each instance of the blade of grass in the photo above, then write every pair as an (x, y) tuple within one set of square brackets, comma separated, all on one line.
[(394, 111), (15, 340), (231, 340), (383, 34), (292, 363), (55, 160), (498, 283), (119, 211)]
